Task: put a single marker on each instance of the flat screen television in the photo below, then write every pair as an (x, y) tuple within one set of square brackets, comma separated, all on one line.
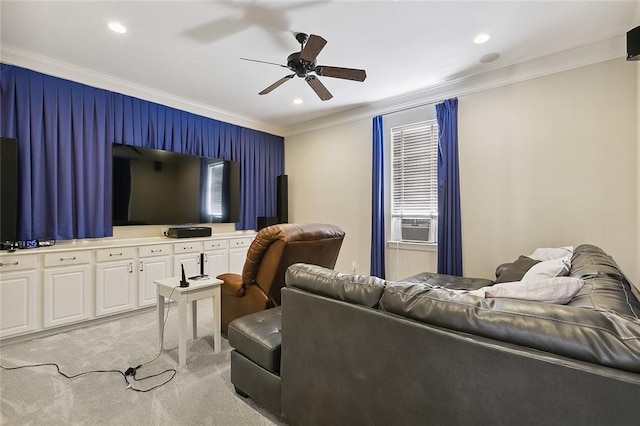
[(156, 187)]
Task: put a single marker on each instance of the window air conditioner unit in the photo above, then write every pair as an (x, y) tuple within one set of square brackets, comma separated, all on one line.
[(416, 230)]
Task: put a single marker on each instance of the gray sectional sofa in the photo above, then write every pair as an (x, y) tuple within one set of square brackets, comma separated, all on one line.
[(361, 350)]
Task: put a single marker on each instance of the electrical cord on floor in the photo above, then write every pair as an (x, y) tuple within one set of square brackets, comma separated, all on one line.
[(131, 371)]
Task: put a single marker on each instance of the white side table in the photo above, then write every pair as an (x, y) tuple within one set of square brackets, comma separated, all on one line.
[(198, 289)]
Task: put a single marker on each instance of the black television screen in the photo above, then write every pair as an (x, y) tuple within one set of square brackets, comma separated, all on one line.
[(156, 187)]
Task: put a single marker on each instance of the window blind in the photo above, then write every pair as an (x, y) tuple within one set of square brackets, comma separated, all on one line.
[(414, 174), (214, 189)]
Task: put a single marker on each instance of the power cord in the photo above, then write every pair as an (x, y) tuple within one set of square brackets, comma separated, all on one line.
[(131, 371)]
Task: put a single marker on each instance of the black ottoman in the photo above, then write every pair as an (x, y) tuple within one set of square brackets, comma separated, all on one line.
[(255, 360)]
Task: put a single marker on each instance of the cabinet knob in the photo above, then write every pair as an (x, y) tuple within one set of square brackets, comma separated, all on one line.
[(115, 254), (62, 259), (9, 264), (141, 266)]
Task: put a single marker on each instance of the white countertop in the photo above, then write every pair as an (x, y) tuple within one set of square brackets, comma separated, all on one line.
[(98, 243)]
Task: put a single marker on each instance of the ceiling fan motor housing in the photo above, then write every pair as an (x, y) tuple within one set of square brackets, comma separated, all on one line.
[(297, 65)]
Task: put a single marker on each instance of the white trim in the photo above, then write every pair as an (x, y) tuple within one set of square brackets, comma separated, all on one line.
[(46, 65), (563, 61)]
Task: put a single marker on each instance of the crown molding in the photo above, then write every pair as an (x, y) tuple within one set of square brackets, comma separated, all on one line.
[(46, 65), (563, 61)]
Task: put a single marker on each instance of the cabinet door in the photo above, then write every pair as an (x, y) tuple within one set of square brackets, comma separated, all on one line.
[(216, 262), (238, 248), (115, 287), (67, 294), (237, 256), (151, 269), (17, 302), (191, 264)]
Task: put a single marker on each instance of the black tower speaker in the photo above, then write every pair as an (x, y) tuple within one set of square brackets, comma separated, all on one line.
[(283, 199), (8, 189), (264, 221), (633, 44)]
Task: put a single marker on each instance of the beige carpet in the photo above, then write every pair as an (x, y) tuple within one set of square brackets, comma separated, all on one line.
[(200, 393)]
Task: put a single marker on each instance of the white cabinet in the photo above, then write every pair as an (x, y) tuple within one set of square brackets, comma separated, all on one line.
[(115, 281), (67, 288), (187, 254), (238, 248), (18, 295), (155, 262), (59, 286), (216, 257)]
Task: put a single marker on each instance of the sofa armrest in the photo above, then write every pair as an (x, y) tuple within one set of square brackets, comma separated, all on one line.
[(232, 284)]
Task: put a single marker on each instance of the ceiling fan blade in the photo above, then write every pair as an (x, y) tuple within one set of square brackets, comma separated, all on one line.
[(337, 72), (318, 87), (263, 62), (314, 45), (276, 84)]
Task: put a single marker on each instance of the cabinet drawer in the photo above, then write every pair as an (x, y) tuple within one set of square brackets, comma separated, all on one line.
[(188, 247), (67, 258), (216, 245), (154, 250), (16, 263), (240, 242), (117, 253)]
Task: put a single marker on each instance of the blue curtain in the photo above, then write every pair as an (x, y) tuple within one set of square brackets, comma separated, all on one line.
[(65, 131), (449, 226), (377, 201)]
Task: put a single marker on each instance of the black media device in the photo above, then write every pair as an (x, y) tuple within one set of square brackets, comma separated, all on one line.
[(156, 187), (183, 281), (8, 192), (282, 198), (264, 221), (189, 232), (633, 44)]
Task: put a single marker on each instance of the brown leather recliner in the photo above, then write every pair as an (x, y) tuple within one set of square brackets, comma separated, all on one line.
[(274, 249)]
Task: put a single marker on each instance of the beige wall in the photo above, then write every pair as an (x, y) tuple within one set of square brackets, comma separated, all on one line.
[(545, 162), (637, 69), (330, 182)]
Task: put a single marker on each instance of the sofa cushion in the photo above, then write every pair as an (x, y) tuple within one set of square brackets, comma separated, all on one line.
[(548, 269), (358, 289), (550, 253), (516, 270), (559, 290), (257, 336), (588, 335), (448, 281)]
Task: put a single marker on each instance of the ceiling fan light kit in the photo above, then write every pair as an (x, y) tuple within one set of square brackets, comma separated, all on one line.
[(303, 64)]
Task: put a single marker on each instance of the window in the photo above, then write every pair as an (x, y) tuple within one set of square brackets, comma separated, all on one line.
[(414, 182), (214, 189)]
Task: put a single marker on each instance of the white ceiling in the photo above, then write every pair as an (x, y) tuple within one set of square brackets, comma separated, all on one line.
[(191, 49)]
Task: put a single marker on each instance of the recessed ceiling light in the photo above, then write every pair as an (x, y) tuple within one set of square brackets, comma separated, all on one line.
[(297, 101), (481, 38), (117, 27)]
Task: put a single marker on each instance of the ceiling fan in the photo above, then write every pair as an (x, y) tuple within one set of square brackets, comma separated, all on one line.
[(303, 64)]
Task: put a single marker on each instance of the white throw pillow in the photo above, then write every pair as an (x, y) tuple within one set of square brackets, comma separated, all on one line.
[(548, 269), (550, 253), (559, 290)]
